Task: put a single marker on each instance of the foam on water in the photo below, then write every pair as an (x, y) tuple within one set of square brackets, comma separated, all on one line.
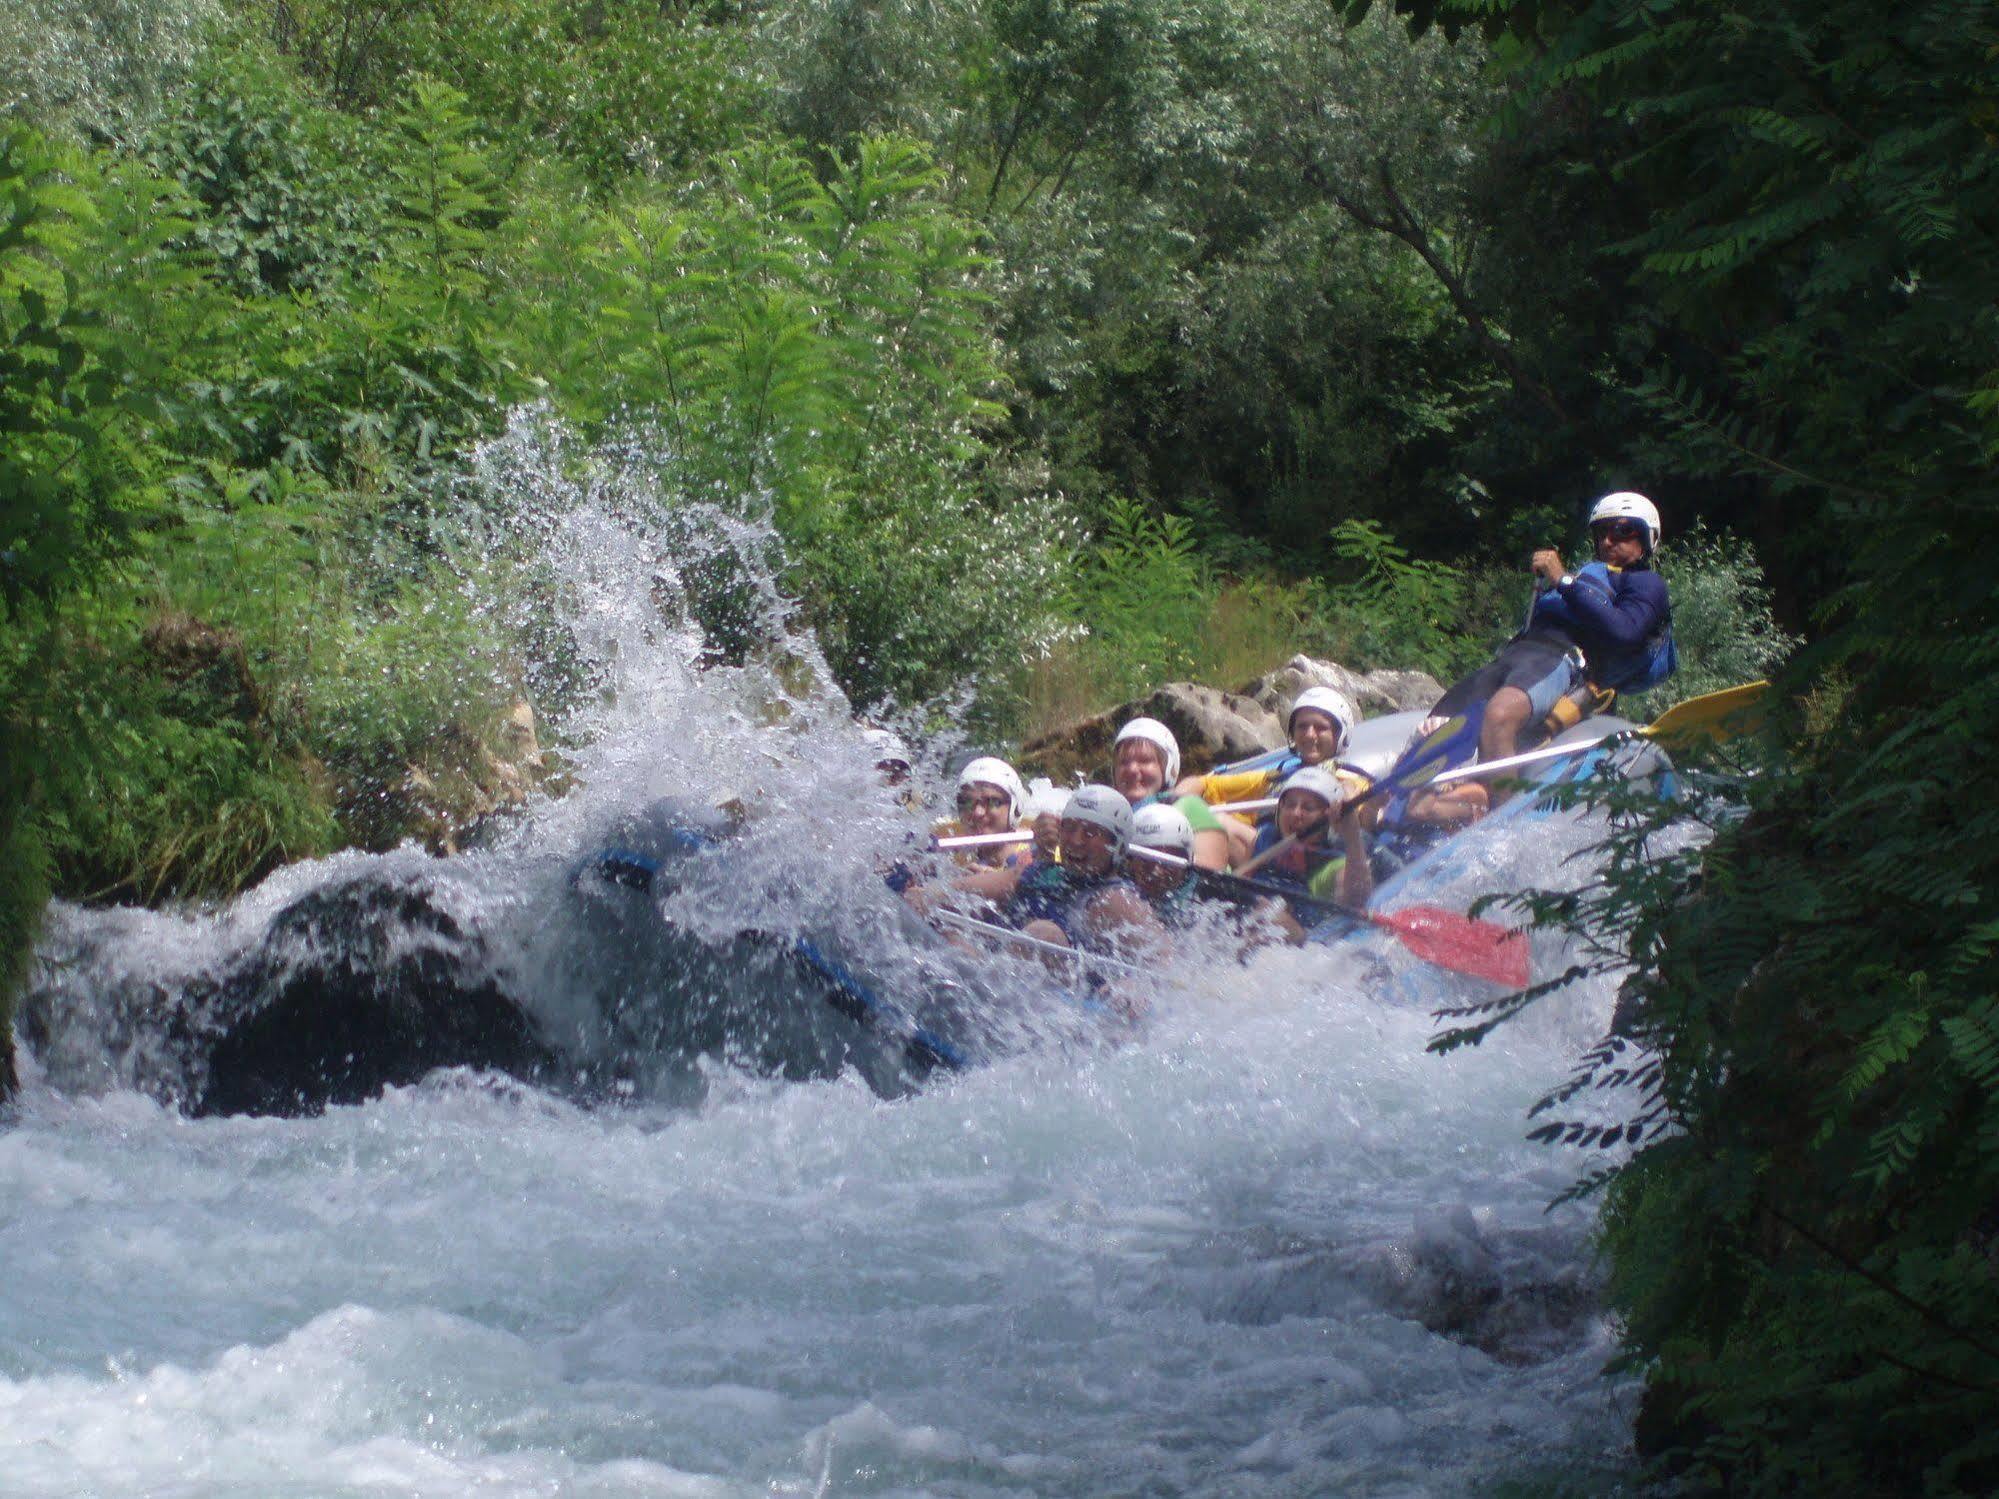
[(1204, 1261), (1159, 1266)]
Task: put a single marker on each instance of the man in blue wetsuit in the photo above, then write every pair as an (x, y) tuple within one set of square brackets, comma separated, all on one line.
[(1605, 628), (1087, 900)]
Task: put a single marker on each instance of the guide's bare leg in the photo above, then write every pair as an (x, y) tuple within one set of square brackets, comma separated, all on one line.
[(1506, 713)]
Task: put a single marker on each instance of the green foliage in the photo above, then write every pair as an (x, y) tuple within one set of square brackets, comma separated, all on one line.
[(183, 791), (1802, 1248), (1723, 622), (74, 469), (80, 68), (1406, 611), (615, 89), (291, 195), (1144, 592), (1190, 315), (818, 346)]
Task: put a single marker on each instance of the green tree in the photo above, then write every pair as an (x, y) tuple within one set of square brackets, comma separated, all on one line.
[(1802, 1246)]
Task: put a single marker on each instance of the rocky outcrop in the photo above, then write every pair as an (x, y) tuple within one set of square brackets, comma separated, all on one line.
[(357, 987), (1213, 726), (1373, 692)]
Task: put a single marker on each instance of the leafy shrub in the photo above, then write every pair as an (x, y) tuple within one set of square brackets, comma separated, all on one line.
[(1143, 591), (1722, 619), (294, 197), (97, 67), (1404, 611), (185, 790), (922, 592)]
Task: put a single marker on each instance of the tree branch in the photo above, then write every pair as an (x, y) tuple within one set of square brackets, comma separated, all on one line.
[(1405, 226)]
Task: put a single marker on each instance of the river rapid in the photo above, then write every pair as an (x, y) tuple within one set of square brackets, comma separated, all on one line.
[(1264, 1243)]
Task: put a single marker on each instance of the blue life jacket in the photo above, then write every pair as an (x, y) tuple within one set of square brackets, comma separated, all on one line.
[(1309, 869), (1618, 667), (1054, 892)]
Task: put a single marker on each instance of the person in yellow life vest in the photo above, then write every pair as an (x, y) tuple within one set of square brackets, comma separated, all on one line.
[(990, 799), (1320, 724)]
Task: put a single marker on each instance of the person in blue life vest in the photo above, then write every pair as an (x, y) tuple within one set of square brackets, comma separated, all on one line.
[(1603, 629), (1172, 890), (1084, 899), (1297, 847), (1087, 900)]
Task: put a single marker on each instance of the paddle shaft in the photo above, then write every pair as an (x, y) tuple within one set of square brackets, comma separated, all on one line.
[(1241, 888), (1529, 757), (1026, 835), (1706, 713), (1022, 939)]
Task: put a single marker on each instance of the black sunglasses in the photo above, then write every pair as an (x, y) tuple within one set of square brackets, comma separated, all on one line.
[(1619, 530)]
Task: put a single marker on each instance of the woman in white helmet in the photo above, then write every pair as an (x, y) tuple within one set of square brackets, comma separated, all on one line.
[(990, 799), (1320, 724), (1170, 888), (1145, 761), (1297, 848), (1145, 767)]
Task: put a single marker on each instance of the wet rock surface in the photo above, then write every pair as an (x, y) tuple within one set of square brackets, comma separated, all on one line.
[(1212, 726), (355, 986), (1215, 727), (1373, 692), (1516, 1295)]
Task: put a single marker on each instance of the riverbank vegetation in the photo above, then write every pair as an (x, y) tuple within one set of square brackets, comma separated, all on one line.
[(1068, 348)]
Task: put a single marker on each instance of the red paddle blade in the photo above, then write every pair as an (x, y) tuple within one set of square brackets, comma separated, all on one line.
[(1463, 944)]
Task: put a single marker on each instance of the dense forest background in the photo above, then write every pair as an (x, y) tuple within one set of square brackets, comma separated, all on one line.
[(1067, 347)]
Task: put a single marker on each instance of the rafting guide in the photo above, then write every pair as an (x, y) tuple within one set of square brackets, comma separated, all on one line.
[(1604, 629)]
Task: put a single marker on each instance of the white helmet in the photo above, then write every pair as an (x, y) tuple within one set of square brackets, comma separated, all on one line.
[(988, 771), (1318, 780), (1628, 504), (887, 746), (1103, 807), (1335, 705), (1156, 734), (1161, 826), (1043, 795)]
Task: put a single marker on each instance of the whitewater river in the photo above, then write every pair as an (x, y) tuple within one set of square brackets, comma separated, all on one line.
[(1172, 1268), (1265, 1245)]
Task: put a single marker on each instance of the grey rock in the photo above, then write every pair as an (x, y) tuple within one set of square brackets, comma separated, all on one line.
[(1373, 692), (1212, 726)]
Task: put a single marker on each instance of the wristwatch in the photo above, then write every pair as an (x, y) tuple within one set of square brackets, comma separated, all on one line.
[(1565, 580)]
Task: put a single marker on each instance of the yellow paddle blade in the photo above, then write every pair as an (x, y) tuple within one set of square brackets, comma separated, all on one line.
[(1713, 715)]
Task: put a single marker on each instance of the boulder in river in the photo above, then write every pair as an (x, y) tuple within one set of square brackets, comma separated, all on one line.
[(356, 985)]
